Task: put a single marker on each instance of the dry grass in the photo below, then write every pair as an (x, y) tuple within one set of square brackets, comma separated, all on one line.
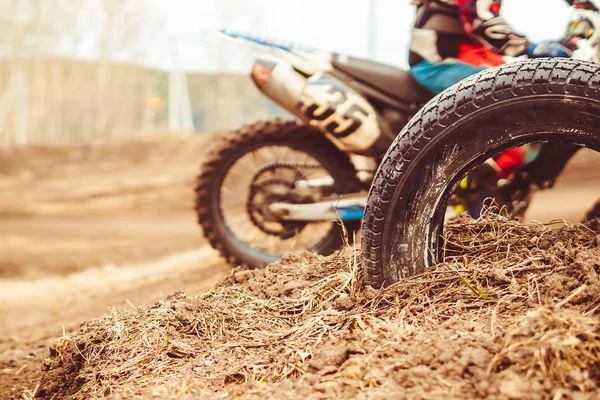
[(560, 345), (306, 326)]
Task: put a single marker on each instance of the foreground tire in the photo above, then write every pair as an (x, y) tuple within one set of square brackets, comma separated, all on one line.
[(593, 213), (501, 108), (247, 140)]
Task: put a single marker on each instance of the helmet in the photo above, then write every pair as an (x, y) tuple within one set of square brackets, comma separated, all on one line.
[(583, 4)]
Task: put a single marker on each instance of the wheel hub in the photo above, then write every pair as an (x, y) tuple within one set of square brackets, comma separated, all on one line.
[(279, 187)]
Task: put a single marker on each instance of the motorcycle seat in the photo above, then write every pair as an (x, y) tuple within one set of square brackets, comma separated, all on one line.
[(395, 82)]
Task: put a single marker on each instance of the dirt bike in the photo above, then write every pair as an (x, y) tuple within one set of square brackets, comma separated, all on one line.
[(556, 101), (276, 186)]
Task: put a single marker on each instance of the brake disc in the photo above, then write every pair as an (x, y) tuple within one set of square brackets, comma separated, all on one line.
[(275, 189)]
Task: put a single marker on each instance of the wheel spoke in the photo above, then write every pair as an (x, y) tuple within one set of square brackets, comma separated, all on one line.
[(235, 192)]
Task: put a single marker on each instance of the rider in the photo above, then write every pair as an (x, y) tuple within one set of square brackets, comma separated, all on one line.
[(454, 39)]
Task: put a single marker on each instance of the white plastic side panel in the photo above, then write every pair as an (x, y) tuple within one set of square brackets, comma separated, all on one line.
[(346, 117)]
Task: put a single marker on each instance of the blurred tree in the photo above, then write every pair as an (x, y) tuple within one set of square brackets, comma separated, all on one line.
[(96, 28), (49, 97), (240, 15)]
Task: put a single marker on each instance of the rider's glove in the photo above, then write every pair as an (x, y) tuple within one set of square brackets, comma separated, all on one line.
[(548, 48)]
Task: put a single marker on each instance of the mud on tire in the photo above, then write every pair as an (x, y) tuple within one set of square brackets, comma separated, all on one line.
[(233, 146), (493, 111)]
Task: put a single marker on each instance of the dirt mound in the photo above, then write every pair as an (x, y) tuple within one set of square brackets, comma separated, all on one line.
[(512, 313)]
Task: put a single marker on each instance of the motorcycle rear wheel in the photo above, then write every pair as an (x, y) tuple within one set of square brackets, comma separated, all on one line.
[(297, 137)]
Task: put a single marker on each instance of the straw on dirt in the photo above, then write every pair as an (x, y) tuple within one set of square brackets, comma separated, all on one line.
[(512, 313)]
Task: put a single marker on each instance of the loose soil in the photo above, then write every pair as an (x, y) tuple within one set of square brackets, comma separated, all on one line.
[(107, 228), (511, 314)]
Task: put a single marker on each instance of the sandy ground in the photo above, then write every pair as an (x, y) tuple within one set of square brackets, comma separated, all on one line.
[(89, 228), (80, 234), (34, 304), (576, 190)]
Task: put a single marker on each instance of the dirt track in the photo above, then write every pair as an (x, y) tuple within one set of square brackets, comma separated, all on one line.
[(83, 229), (89, 228), (162, 258)]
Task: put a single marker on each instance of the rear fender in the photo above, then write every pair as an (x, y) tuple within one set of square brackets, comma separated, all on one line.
[(306, 59)]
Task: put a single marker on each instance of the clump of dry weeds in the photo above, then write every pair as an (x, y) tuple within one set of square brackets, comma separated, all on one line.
[(306, 324), (554, 347)]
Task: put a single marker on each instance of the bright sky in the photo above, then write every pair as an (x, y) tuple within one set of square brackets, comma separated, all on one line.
[(337, 25)]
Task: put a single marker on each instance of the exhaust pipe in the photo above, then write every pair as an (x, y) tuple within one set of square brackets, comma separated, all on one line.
[(281, 83)]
